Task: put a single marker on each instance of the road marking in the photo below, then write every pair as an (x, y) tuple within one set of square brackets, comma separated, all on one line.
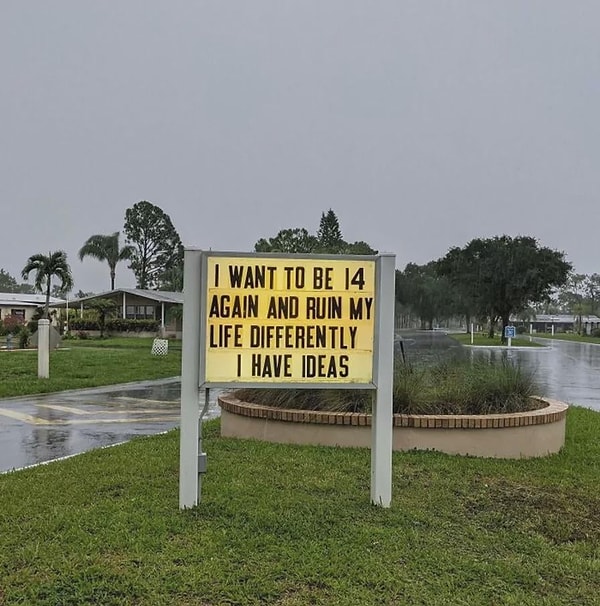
[(31, 420), (79, 411), (19, 416), (147, 401), (71, 409)]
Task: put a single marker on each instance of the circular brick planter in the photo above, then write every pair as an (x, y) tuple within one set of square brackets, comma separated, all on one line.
[(534, 433)]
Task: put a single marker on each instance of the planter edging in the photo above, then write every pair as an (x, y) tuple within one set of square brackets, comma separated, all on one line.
[(513, 435)]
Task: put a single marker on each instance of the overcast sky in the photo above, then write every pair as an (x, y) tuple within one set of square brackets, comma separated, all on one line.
[(422, 124)]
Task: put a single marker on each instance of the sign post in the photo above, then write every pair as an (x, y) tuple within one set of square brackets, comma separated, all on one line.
[(274, 320), (510, 333)]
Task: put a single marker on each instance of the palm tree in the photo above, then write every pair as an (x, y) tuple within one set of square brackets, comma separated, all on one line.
[(55, 264), (106, 248)]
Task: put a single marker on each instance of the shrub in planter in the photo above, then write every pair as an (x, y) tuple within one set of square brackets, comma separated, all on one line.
[(459, 386)]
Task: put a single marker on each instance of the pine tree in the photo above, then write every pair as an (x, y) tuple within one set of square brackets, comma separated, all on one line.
[(330, 234)]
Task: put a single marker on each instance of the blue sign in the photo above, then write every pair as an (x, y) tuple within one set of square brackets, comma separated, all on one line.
[(510, 332)]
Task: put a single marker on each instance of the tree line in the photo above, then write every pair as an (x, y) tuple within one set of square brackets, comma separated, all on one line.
[(489, 279)]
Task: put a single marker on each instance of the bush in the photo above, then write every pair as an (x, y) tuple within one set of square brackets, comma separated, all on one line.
[(24, 334), (595, 333), (125, 325), (450, 387), (79, 324), (11, 324)]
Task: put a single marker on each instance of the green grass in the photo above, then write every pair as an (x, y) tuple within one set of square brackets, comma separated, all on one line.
[(481, 339), (292, 525), (98, 362), (119, 343), (568, 337)]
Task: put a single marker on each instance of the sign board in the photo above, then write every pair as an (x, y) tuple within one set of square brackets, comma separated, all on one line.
[(281, 320), (510, 332), (268, 320)]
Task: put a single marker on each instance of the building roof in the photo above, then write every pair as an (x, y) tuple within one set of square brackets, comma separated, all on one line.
[(561, 318), (565, 318), (27, 300), (160, 296)]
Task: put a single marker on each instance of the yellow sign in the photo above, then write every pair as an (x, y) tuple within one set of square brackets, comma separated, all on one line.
[(289, 320)]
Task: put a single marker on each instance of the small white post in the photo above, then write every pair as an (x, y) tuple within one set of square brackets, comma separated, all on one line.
[(552, 328), (472, 332), (509, 341), (43, 348), (382, 417)]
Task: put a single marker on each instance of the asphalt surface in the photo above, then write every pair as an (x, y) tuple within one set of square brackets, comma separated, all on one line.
[(41, 428)]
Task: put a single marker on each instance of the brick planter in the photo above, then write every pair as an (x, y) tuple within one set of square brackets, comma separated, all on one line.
[(517, 435)]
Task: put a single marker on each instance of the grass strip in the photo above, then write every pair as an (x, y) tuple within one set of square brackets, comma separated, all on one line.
[(292, 525), (79, 367), (480, 339), (569, 337)]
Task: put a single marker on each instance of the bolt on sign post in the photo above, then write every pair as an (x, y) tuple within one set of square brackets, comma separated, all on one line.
[(286, 321)]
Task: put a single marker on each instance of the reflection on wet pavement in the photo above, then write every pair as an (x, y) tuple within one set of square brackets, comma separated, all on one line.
[(41, 428)]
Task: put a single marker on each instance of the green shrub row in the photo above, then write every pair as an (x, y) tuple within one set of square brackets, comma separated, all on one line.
[(115, 325)]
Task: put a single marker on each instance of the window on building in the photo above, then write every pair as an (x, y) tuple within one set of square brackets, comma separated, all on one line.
[(18, 313), (140, 312)]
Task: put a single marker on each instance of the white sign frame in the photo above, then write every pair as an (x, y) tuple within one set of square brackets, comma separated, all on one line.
[(193, 460)]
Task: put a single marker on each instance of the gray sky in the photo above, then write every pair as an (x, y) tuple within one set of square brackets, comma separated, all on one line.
[(423, 124)]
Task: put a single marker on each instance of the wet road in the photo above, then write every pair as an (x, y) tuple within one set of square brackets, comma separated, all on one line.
[(36, 429), (566, 371)]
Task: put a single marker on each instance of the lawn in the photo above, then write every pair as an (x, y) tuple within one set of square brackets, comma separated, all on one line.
[(87, 363), (289, 525), (481, 339), (292, 525), (569, 337)]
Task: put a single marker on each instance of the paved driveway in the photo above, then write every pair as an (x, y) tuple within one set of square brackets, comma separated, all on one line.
[(36, 429)]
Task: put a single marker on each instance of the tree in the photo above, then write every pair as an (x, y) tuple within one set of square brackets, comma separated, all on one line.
[(47, 267), (502, 276), (328, 240), (104, 308), (296, 240), (156, 244), (9, 284), (106, 248), (424, 292), (329, 234), (593, 291), (358, 248)]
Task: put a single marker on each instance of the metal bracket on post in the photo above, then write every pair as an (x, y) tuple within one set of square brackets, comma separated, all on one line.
[(202, 463)]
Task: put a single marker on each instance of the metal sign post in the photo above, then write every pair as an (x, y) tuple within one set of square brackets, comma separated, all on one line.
[(509, 333), (382, 417), (189, 447)]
